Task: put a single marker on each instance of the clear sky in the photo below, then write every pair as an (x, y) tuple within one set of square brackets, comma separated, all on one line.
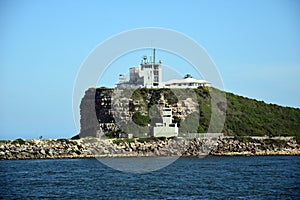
[(254, 44)]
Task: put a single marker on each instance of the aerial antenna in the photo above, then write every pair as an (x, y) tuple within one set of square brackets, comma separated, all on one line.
[(154, 55)]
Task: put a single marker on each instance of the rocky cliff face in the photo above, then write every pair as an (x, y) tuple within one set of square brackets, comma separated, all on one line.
[(112, 111), (88, 119)]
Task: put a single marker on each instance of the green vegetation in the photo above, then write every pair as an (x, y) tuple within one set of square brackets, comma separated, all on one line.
[(122, 140), (151, 139), (30, 142), (140, 119), (136, 130), (204, 108), (245, 139), (244, 116), (190, 123), (274, 141), (187, 76), (249, 117), (112, 134), (141, 140), (170, 97), (19, 141)]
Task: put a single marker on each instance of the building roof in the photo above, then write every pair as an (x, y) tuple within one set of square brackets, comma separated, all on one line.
[(186, 80)]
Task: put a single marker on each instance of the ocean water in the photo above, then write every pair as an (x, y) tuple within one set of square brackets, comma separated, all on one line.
[(261, 177)]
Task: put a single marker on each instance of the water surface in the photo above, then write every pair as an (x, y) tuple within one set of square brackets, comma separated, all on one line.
[(261, 177)]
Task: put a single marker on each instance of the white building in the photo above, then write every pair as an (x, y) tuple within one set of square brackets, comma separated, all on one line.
[(186, 83), (166, 128), (149, 75)]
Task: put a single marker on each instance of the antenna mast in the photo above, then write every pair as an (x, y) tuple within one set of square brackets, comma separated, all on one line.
[(154, 55)]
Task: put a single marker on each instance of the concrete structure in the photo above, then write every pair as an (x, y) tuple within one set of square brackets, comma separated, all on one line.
[(166, 128), (186, 83), (148, 75), (202, 135)]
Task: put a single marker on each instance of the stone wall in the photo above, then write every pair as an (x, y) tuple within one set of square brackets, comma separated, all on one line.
[(91, 147), (40, 149), (256, 146)]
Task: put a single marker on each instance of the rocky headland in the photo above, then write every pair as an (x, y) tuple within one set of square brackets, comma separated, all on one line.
[(93, 147), (109, 111)]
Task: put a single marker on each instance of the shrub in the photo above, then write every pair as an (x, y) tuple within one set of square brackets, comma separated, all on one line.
[(140, 119), (19, 141)]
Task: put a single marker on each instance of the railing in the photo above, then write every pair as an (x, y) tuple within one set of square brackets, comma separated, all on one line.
[(202, 135)]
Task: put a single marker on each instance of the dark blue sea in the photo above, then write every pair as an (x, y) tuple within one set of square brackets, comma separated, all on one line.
[(261, 177)]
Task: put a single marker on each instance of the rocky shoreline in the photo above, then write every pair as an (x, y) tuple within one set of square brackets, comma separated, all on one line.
[(93, 147)]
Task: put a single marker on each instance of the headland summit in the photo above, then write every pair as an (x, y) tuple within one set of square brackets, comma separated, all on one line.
[(145, 116)]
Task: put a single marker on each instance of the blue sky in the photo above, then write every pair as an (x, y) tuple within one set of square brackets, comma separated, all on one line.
[(254, 44)]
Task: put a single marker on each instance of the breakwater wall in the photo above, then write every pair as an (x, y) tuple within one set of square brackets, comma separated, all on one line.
[(93, 147)]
